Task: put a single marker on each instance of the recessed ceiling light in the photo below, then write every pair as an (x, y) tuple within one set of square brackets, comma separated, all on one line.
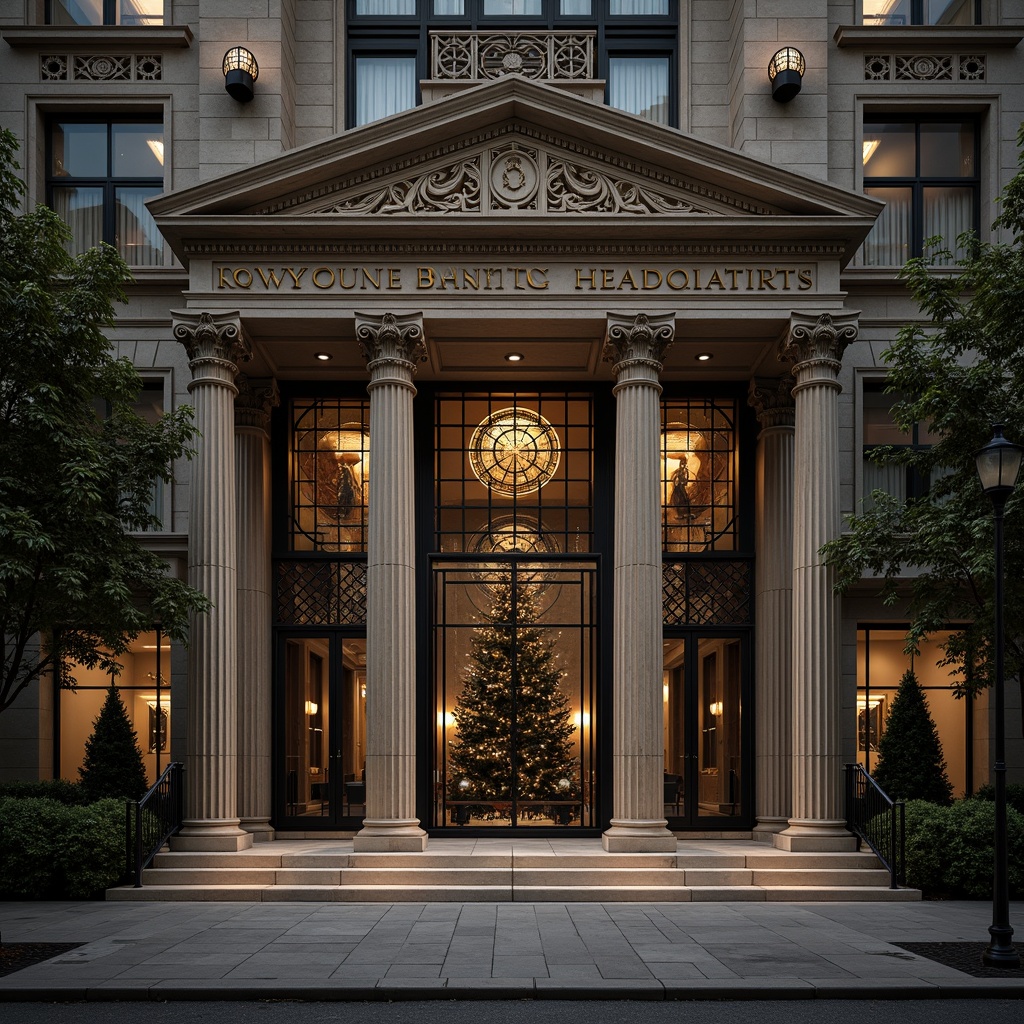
[(514, 357), (324, 356), (702, 357)]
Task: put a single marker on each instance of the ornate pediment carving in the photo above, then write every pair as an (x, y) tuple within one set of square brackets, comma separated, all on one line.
[(517, 175)]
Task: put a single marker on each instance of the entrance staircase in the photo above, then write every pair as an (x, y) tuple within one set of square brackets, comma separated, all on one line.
[(520, 870)]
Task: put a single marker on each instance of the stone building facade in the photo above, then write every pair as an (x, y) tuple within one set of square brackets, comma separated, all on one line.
[(606, 319)]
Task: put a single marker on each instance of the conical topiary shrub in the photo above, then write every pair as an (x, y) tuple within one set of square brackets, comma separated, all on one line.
[(113, 765), (911, 766)]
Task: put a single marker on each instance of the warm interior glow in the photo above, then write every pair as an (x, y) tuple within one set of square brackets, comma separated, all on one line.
[(581, 720), (715, 708), (514, 451), (157, 147), (324, 356), (311, 707), (664, 693), (870, 145)]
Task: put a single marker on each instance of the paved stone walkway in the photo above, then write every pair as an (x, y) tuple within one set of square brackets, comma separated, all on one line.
[(507, 950)]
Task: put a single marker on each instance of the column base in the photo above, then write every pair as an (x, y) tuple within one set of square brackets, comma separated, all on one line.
[(767, 829), (639, 836), (207, 835), (390, 835), (259, 828), (815, 837)]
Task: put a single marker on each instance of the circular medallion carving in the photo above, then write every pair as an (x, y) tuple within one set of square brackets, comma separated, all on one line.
[(514, 177), (514, 451)]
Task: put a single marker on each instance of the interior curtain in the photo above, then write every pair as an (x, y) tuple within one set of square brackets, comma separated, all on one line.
[(639, 85), (138, 239), (891, 479), (635, 8), (888, 244), (575, 7), (82, 210), (384, 86), (395, 8), (448, 8), (947, 212)]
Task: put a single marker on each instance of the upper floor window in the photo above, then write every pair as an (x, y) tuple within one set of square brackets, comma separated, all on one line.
[(100, 174), (922, 12), (926, 170), (882, 431), (105, 12)]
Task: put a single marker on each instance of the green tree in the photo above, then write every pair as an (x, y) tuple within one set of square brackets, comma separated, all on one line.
[(77, 464), (911, 765), (513, 722), (957, 370), (113, 765)]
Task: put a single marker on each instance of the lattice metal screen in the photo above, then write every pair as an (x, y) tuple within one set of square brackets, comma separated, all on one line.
[(330, 474), (513, 472), (321, 593), (706, 593), (698, 475)]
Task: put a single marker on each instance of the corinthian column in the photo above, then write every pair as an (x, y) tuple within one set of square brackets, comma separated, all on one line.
[(215, 346), (635, 346), (815, 347), (252, 473), (391, 346), (772, 400)]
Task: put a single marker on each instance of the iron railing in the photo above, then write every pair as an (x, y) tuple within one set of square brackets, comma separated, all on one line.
[(878, 820), (151, 821)]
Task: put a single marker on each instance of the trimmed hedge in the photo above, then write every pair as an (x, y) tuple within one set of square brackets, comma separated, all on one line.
[(49, 850), (1014, 795), (62, 790), (950, 849)]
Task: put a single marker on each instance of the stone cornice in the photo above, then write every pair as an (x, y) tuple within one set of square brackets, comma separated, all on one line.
[(930, 37), (89, 37)]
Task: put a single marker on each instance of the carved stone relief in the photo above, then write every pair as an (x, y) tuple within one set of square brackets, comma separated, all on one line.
[(100, 67), (539, 55), (924, 67)]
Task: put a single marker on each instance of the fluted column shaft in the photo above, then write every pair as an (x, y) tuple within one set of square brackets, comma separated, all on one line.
[(252, 469), (391, 346), (215, 347), (773, 597), (815, 345), (636, 346)]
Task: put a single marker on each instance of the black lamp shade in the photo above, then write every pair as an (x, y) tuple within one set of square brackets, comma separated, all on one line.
[(998, 464), (240, 73), (786, 73)]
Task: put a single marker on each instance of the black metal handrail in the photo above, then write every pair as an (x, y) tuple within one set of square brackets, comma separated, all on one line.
[(151, 821), (878, 820)]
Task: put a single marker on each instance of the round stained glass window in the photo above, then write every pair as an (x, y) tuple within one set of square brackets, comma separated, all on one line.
[(514, 451)]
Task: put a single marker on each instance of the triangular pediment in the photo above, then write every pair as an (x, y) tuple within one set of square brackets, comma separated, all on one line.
[(514, 151)]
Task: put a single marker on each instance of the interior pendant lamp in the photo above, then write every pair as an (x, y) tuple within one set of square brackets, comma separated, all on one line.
[(240, 73), (786, 73)]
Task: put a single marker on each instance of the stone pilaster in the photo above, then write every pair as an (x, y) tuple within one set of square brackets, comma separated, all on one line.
[(636, 346), (215, 346), (391, 346), (252, 472), (815, 346), (772, 400)]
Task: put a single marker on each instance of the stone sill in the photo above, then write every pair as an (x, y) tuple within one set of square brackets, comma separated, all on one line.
[(92, 37), (916, 37), (434, 89), (176, 275)]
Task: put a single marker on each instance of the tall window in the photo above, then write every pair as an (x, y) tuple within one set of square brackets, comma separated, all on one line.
[(926, 171), (922, 12), (105, 12), (392, 46), (880, 430), (101, 172)]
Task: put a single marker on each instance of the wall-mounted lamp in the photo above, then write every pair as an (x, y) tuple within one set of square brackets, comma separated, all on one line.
[(311, 707), (715, 707), (240, 73), (786, 73)]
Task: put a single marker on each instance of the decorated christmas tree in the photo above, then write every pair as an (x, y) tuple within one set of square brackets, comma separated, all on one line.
[(513, 723)]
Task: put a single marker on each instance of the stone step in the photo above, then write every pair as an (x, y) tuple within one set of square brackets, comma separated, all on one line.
[(842, 877), (784, 859)]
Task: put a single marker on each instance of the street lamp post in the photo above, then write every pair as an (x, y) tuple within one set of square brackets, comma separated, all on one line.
[(998, 464)]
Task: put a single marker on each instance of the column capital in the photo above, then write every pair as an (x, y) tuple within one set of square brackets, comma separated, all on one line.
[(818, 342), (389, 340), (635, 345), (772, 400), (215, 344), (256, 397)]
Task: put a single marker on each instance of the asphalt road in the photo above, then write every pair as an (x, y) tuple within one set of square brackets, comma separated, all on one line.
[(783, 1011)]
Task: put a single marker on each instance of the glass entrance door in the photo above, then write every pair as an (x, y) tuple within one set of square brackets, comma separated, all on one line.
[(706, 741), (514, 683), (322, 735)]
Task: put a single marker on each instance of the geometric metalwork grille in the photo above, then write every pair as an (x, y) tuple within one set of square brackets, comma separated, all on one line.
[(512, 472), (707, 593), (321, 592), (330, 474), (698, 475)]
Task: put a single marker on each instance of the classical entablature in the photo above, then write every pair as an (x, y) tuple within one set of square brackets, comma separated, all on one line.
[(514, 210)]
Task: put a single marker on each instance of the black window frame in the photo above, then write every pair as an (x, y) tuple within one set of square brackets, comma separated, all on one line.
[(109, 184), (918, 182), (110, 8), (619, 35), (917, 485), (916, 17)]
